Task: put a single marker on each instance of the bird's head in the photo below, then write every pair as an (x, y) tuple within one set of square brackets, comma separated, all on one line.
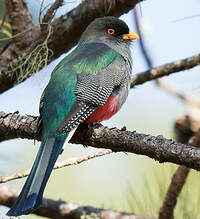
[(109, 29)]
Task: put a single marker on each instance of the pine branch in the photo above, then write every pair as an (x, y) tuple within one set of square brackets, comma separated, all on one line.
[(158, 148)]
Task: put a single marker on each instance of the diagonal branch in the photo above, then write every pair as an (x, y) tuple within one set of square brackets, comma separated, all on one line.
[(58, 165), (65, 210), (51, 11), (145, 52), (167, 69), (158, 148), (191, 100), (178, 181), (179, 178)]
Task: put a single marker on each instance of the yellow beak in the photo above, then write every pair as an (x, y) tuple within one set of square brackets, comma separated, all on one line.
[(130, 36)]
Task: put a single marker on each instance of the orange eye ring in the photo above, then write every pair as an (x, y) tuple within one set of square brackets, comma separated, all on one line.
[(111, 31)]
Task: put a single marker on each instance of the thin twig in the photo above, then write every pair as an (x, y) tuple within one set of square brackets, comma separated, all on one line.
[(58, 165), (51, 11), (148, 59), (145, 52), (4, 18), (188, 99), (160, 82)]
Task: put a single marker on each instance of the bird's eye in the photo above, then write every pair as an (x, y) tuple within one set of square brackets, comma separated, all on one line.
[(111, 31)]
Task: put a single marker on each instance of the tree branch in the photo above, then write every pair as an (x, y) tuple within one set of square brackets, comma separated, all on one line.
[(145, 52), (51, 11), (13, 125), (167, 209), (185, 132), (68, 27), (66, 32), (175, 187), (24, 34), (65, 210), (188, 99), (166, 69), (158, 148)]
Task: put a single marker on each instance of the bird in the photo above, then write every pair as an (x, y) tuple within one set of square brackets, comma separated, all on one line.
[(89, 85)]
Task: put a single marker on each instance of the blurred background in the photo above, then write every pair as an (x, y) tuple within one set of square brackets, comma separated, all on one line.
[(120, 181)]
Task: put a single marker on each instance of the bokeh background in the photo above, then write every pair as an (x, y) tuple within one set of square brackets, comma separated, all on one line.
[(121, 181)]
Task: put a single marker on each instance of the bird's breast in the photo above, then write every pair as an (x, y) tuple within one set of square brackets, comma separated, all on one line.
[(106, 111)]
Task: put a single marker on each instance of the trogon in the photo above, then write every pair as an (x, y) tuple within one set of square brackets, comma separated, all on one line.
[(89, 85)]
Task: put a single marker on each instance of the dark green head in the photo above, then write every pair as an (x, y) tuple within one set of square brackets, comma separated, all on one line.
[(108, 28)]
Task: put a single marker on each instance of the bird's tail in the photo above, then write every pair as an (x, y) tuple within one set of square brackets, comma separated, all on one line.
[(30, 197)]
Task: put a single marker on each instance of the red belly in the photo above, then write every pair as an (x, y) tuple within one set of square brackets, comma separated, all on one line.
[(106, 111)]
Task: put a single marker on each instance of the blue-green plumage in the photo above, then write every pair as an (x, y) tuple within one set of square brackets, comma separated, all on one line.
[(93, 79), (58, 98), (59, 95), (31, 196)]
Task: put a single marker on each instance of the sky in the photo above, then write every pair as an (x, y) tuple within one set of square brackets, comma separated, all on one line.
[(169, 36)]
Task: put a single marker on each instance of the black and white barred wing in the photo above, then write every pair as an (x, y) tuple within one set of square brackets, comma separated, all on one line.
[(92, 91)]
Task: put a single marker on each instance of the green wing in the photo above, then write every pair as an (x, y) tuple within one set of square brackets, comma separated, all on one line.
[(68, 82)]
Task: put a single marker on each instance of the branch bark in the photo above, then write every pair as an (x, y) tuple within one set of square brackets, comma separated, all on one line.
[(167, 69), (180, 176), (20, 20), (24, 34), (175, 187), (158, 148), (167, 209), (51, 11), (65, 210), (13, 125)]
